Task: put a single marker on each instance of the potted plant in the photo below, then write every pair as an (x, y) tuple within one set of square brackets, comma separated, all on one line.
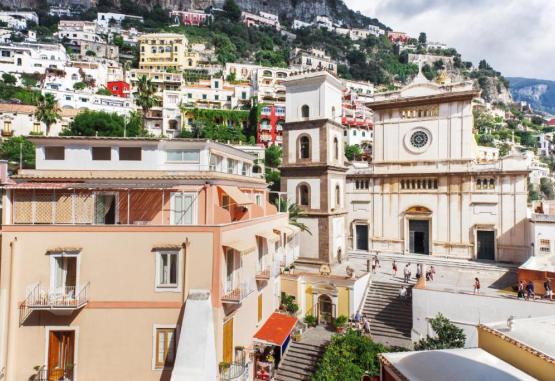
[(291, 269), (224, 366), (310, 320), (340, 323)]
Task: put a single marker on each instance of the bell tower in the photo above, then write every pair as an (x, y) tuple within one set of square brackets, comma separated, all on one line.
[(313, 169)]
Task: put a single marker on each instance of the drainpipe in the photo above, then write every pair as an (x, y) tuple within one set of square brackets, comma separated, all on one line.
[(184, 246), (8, 310)]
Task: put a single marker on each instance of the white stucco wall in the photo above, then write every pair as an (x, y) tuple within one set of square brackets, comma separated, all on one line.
[(314, 134), (467, 310)]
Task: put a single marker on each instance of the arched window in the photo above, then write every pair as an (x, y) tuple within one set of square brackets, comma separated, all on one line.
[(336, 148), (304, 147), (337, 196), (305, 111), (303, 195)]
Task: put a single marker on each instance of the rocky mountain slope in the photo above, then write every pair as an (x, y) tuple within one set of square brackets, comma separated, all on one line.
[(540, 94)]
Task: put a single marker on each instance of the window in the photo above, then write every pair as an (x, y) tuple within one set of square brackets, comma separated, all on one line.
[(54, 153), (545, 246), (36, 127), (337, 196), (63, 270), (7, 126), (130, 153), (182, 208), (336, 148), (167, 269), (363, 184), (101, 153), (244, 95), (216, 97), (258, 199), (304, 147), (183, 155), (216, 84), (420, 184), (485, 184), (164, 350), (305, 111), (105, 208), (303, 195)]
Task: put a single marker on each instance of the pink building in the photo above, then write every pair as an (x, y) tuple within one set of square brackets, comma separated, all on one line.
[(190, 17), (399, 37), (126, 249)]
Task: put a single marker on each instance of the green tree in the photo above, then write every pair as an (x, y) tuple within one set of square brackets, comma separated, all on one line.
[(17, 147), (352, 151), (100, 123), (272, 156), (145, 96), (104, 91), (273, 179), (294, 212), (448, 335), (9, 79), (232, 11), (79, 86), (47, 110), (546, 188), (422, 38), (348, 357)]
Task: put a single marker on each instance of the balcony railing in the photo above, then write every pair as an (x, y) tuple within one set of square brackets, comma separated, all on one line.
[(235, 372), (236, 294), (55, 374), (263, 273), (60, 299)]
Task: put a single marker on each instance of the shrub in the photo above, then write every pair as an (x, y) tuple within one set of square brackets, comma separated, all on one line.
[(447, 336), (310, 320), (340, 321)]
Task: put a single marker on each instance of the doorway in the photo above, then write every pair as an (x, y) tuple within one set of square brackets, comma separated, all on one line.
[(105, 209), (61, 349), (419, 236), (361, 237), (485, 241), (325, 309)]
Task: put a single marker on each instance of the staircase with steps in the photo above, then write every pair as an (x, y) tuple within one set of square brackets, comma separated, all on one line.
[(390, 315), (299, 362)]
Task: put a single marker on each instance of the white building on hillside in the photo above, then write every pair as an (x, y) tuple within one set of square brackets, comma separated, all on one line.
[(86, 101), (31, 58), (376, 30), (20, 120), (312, 59), (106, 19), (298, 24), (18, 20)]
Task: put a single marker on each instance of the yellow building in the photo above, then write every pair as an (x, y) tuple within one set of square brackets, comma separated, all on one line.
[(162, 51), (526, 344), (325, 296)]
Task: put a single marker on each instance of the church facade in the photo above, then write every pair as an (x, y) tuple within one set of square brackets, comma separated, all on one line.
[(427, 190)]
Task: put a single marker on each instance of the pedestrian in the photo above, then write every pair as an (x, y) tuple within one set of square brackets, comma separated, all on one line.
[(428, 275), (357, 317), (394, 268), (432, 272), (418, 270), (366, 324), (374, 265), (476, 286), (520, 290), (548, 289), (406, 272), (530, 290), (403, 292), (377, 261)]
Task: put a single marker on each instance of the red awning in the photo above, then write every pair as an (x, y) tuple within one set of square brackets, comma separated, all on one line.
[(276, 329)]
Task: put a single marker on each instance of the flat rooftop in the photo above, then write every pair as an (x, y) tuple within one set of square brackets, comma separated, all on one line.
[(473, 364), (536, 333)]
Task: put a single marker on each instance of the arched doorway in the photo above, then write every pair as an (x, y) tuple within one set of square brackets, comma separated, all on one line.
[(325, 309)]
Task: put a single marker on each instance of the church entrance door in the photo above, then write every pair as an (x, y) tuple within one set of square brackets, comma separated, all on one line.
[(486, 244), (419, 236), (361, 237)]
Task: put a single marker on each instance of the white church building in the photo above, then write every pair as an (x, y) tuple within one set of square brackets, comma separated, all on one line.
[(425, 191)]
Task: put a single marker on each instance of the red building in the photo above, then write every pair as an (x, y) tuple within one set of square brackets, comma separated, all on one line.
[(270, 128), (119, 88), (190, 17)]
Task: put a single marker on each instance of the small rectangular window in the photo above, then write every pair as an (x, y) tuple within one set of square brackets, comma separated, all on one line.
[(165, 347), (54, 153), (130, 153), (167, 269), (183, 155), (101, 153)]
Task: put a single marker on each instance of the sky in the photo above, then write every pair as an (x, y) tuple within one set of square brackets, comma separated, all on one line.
[(516, 37)]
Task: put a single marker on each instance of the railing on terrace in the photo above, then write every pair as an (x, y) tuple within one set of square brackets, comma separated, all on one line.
[(55, 374), (237, 293), (263, 273), (53, 299)]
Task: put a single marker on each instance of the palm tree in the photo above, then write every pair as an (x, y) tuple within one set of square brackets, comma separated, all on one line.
[(145, 97), (47, 110), (294, 212)]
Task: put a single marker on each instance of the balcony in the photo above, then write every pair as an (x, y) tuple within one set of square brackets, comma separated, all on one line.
[(59, 301), (263, 273), (57, 374), (236, 294)]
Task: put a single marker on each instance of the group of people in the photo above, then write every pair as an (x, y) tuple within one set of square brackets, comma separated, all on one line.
[(407, 273), (526, 290), (361, 323)]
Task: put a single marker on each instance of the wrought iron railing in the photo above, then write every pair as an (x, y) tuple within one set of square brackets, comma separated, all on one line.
[(234, 372), (54, 374), (236, 294)]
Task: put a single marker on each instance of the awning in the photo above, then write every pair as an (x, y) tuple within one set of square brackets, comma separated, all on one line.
[(268, 235), (276, 329), (242, 246), (68, 249), (239, 197)]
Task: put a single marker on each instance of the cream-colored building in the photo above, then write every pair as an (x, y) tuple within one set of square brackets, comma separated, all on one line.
[(162, 257), (427, 190)]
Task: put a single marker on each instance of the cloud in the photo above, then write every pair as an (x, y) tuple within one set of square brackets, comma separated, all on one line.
[(514, 36)]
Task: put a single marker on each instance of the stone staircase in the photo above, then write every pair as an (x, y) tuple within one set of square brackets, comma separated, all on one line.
[(390, 316), (299, 362)]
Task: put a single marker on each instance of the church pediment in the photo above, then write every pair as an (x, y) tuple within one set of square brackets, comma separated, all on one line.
[(420, 90)]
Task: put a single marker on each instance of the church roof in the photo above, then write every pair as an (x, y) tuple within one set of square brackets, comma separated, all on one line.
[(442, 97)]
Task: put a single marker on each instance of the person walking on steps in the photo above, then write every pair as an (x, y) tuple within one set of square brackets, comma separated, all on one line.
[(406, 273), (394, 268), (548, 289), (476, 286)]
